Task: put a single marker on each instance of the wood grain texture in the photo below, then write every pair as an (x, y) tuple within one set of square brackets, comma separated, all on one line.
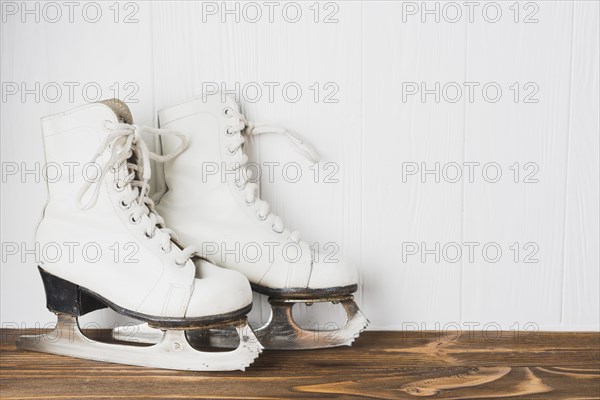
[(382, 365)]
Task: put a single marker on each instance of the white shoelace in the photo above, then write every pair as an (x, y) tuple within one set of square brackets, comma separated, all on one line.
[(245, 128), (125, 141)]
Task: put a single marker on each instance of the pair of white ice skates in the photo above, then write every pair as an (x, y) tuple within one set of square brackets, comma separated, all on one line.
[(105, 243)]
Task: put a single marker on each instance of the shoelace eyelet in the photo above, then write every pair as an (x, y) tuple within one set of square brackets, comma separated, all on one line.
[(275, 230), (249, 203), (149, 236), (122, 141), (230, 150), (239, 185), (228, 112), (260, 216), (180, 264), (229, 131), (166, 250)]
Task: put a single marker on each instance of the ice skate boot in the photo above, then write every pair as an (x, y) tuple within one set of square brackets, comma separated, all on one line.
[(223, 210), (105, 245)]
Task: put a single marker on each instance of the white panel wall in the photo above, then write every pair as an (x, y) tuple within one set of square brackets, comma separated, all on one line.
[(528, 210), (373, 198)]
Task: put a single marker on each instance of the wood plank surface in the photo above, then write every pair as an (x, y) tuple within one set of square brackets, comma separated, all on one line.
[(385, 365)]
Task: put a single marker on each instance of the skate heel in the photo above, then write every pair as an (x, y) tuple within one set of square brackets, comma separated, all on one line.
[(64, 297)]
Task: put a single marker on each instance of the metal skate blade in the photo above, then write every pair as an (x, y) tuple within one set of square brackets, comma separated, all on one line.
[(137, 333), (219, 338), (171, 351), (282, 333)]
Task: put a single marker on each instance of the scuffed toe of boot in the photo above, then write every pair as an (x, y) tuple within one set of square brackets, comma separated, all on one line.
[(218, 291), (337, 274)]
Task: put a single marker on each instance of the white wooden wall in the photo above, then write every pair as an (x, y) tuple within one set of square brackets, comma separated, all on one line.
[(370, 51)]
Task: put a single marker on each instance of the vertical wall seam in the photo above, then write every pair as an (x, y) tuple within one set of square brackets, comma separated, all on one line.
[(566, 198), (153, 66), (362, 151), (463, 188)]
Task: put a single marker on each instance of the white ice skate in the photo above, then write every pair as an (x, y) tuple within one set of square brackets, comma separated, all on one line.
[(221, 211), (106, 246)]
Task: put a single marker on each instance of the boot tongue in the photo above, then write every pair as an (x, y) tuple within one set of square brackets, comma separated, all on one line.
[(123, 114), (120, 109)]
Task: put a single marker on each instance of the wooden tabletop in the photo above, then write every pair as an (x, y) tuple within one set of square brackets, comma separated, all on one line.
[(385, 365)]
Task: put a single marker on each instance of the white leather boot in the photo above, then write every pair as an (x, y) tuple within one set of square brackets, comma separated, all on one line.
[(223, 216), (103, 244)]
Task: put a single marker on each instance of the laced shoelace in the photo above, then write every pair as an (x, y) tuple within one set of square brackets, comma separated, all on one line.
[(129, 151), (246, 128)]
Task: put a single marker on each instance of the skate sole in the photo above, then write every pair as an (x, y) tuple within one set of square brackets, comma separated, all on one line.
[(175, 323), (69, 298), (304, 293)]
